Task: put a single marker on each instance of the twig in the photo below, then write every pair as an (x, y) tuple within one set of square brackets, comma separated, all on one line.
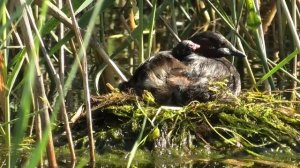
[(30, 47), (59, 86), (82, 55)]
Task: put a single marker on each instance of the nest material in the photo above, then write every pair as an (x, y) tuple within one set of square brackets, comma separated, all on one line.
[(255, 124)]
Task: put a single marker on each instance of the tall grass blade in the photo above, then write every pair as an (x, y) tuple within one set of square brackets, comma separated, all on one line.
[(141, 32), (151, 28), (279, 65), (136, 144)]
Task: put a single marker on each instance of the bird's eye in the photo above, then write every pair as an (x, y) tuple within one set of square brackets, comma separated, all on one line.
[(211, 47)]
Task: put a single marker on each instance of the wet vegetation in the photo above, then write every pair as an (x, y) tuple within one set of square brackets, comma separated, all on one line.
[(61, 63)]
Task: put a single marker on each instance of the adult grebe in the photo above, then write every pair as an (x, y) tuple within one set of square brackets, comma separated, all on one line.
[(189, 71)]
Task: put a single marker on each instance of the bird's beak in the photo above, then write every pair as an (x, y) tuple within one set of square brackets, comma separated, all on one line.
[(237, 53), (231, 52)]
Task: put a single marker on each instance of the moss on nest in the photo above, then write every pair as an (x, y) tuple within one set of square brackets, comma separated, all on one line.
[(255, 124)]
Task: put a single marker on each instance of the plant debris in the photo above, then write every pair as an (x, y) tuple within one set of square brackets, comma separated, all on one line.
[(256, 124)]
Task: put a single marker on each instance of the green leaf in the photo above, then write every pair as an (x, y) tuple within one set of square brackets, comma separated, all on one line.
[(280, 65)]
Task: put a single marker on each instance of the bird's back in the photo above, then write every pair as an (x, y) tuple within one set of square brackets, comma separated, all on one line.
[(205, 71), (162, 75)]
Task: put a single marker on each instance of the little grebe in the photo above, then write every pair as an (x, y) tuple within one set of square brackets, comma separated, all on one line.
[(186, 73)]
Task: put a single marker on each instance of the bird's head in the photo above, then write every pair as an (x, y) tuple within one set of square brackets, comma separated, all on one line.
[(184, 48), (214, 45)]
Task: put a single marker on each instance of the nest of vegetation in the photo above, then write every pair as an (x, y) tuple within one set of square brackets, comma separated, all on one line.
[(254, 124)]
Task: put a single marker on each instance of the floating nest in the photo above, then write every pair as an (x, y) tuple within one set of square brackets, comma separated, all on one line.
[(255, 123)]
